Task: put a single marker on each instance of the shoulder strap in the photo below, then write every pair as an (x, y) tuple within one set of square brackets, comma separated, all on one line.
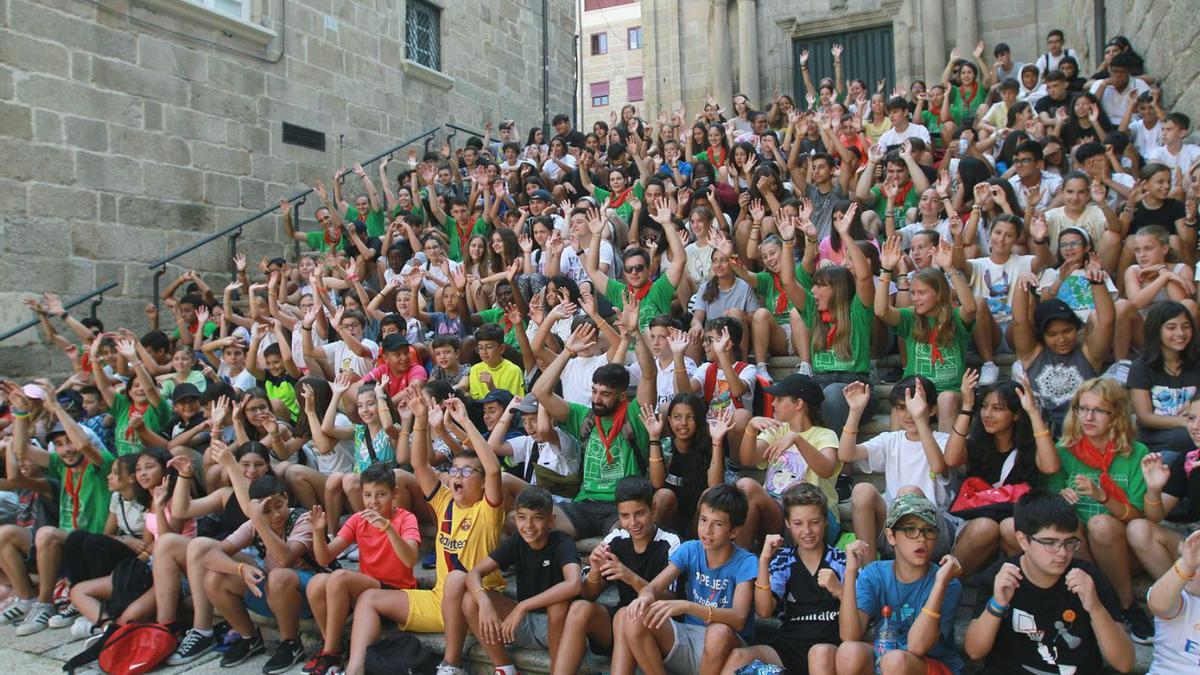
[(710, 381), (370, 443)]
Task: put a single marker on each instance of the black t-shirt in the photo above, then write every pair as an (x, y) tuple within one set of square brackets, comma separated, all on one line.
[(1049, 106), (1169, 394), (1046, 630), (1184, 482), (536, 570), (646, 564), (809, 612), (576, 139), (1165, 216)]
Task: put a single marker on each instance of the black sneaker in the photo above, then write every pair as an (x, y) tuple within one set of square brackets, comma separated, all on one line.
[(844, 486), (1141, 629), (891, 376), (243, 649), (191, 647), (287, 655)]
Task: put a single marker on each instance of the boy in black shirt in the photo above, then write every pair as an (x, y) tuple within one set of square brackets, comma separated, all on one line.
[(805, 579), (548, 579), (1049, 612), (631, 555)]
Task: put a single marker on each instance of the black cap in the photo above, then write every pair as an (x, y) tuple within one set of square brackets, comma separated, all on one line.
[(798, 386), (542, 195), (1053, 310), (395, 342), (184, 390), (55, 430), (70, 400), (501, 396)]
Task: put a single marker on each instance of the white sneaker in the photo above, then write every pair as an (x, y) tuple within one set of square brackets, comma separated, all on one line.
[(65, 618), (350, 553), (764, 372), (37, 619), (988, 374), (83, 628), (14, 610), (805, 368), (1119, 371)]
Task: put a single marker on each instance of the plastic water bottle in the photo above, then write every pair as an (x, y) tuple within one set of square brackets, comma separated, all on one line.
[(885, 638)]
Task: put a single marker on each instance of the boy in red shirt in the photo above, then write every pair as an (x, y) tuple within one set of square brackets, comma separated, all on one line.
[(388, 538), (398, 363)]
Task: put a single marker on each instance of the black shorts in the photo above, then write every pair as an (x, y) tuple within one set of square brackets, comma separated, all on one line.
[(591, 518), (598, 649), (793, 653)]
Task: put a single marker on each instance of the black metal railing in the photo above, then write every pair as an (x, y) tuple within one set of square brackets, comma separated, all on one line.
[(96, 296), (234, 231)]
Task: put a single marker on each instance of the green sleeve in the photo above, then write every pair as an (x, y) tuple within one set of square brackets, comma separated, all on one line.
[(119, 407), (158, 416), (905, 327), (764, 285), (962, 327), (315, 240), (575, 417), (492, 315), (809, 313), (351, 214), (448, 225), (209, 329), (639, 432), (56, 466), (106, 461), (804, 278), (877, 201), (639, 191), (1058, 480), (600, 194), (1136, 489), (615, 292), (481, 228), (663, 291)]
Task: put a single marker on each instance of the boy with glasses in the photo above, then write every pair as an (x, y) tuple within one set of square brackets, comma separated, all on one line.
[(1049, 611)]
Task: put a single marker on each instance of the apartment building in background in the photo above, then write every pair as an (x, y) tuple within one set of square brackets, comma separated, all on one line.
[(611, 46)]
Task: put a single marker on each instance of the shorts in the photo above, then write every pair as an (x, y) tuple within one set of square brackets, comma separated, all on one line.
[(31, 559), (591, 518), (687, 652), (533, 632), (948, 529), (259, 605), (424, 611), (793, 653)]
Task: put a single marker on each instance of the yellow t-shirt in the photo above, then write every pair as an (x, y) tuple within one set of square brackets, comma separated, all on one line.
[(791, 468), (465, 536), (507, 375)]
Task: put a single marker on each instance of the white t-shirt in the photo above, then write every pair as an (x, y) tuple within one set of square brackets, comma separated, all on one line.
[(243, 381), (1050, 185), (1145, 140), (997, 283), (131, 516), (341, 458), (1092, 221), (1115, 103), (720, 395), (1177, 641), (1048, 62), (342, 359), (572, 262), (1185, 160), (908, 231), (903, 462), (665, 378), (552, 168), (563, 458), (699, 262), (577, 378), (892, 137), (431, 272)]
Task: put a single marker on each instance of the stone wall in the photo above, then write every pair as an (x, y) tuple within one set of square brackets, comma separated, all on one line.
[(128, 131)]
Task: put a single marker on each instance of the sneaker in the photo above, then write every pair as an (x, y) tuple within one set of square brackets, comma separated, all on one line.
[(37, 619), (805, 368), (1141, 630), (1119, 371), (351, 553), (83, 628), (243, 649), (65, 618), (224, 642), (287, 654), (321, 663), (193, 645), (988, 373), (892, 376), (15, 610), (449, 669), (429, 561)]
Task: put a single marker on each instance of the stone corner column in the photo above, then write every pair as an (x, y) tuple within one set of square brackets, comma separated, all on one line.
[(719, 43), (747, 22)]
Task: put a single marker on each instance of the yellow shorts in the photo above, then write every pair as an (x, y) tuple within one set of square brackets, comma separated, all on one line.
[(424, 611)]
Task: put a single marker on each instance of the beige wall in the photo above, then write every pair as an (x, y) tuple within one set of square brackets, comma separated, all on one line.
[(615, 67)]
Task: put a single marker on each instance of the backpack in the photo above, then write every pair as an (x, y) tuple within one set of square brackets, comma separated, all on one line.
[(763, 404), (131, 578), (640, 456), (137, 648), (401, 654)]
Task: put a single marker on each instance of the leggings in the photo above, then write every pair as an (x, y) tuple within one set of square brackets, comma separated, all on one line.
[(88, 555)]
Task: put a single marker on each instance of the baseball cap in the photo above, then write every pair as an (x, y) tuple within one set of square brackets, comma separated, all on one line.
[(34, 391), (542, 195), (911, 505), (798, 386), (395, 342), (1054, 309), (528, 404), (184, 390), (501, 396), (56, 430)]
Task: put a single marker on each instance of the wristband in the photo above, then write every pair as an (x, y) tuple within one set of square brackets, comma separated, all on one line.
[(20, 413), (239, 568), (995, 608), (588, 578), (930, 612), (1148, 499), (887, 271), (1096, 283), (1040, 434), (187, 476), (764, 587), (1041, 242), (710, 613), (1178, 571), (965, 412), (655, 441)]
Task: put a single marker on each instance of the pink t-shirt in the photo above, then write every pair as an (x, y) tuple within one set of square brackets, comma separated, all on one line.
[(395, 384), (825, 252), (151, 524), (301, 532), (376, 558)]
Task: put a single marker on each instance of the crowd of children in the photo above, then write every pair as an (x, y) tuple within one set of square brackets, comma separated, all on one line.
[(553, 361)]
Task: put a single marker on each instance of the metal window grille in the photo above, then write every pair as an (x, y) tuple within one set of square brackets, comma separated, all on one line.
[(423, 42)]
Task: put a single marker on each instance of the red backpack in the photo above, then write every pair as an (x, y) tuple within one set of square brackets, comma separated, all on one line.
[(764, 403), (137, 648)]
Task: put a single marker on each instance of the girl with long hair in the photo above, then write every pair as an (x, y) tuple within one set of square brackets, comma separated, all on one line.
[(1156, 276), (1101, 476), (1169, 366), (1004, 442), (1086, 122), (254, 420), (876, 121), (687, 454), (1150, 203), (724, 294), (716, 149)]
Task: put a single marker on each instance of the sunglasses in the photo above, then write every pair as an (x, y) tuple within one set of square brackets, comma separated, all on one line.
[(635, 268)]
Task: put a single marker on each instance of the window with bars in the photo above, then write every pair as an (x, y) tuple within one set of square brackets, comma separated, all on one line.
[(423, 34)]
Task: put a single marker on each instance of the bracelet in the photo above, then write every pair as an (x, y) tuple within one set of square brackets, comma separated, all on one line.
[(416, 428), (1096, 283), (1156, 502), (887, 271), (655, 441), (1178, 571), (1125, 514), (710, 613), (811, 240), (956, 431), (995, 608), (930, 612), (479, 590), (1041, 242), (588, 578), (239, 568), (20, 414), (764, 587), (1042, 433), (788, 242), (187, 476), (848, 430), (964, 412), (656, 459)]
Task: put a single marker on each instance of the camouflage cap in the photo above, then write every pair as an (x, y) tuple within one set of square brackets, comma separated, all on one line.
[(911, 505)]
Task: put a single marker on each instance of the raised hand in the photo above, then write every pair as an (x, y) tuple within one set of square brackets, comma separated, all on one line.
[(890, 255), (583, 338), (970, 381), (720, 424), (858, 395), (948, 569), (1006, 583), (1082, 585), (1155, 471), (944, 256), (652, 420), (856, 555)]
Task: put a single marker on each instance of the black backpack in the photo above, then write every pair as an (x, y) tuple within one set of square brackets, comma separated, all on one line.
[(403, 654)]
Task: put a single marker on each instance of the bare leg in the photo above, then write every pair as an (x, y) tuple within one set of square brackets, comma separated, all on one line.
[(822, 660), (948, 403), (202, 609), (88, 596), (14, 551), (343, 588), (371, 607), (226, 591), (1106, 537), (763, 516), (986, 336), (648, 646), (666, 509), (1008, 537), (719, 641), (334, 497), (622, 658), (315, 591), (585, 619), (503, 606), (454, 594), (284, 599), (868, 512), (1153, 545), (900, 662), (854, 658), (977, 544), (49, 542)]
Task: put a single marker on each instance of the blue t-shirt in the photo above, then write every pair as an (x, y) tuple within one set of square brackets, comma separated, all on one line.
[(714, 587), (877, 586)]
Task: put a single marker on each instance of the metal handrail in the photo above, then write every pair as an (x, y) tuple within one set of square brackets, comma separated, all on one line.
[(233, 231), (465, 130), (97, 293)]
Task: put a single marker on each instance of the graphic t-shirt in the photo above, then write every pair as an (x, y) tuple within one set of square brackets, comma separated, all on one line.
[(657, 300), (646, 564), (1184, 482), (1169, 394), (721, 396), (997, 282), (1046, 630), (537, 569), (1125, 471), (826, 359), (1177, 640), (945, 372), (83, 503), (714, 587), (603, 467), (465, 535), (791, 468), (773, 295), (809, 612), (878, 586), (126, 439), (376, 557), (316, 241), (457, 240)]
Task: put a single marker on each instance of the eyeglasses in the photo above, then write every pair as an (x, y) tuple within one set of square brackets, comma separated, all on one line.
[(914, 532), (635, 268), (1086, 412), (462, 471), (1025, 160), (1072, 544)]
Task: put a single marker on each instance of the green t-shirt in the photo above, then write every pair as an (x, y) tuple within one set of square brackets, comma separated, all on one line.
[(93, 493), (946, 373), (657, 300), (599, 475), (156, 420), (933, 123), (283, 390), (910, 201), (194, 377), (417, 210), (765, 286), (316, 241), (456, 243), (960, 107), (624, 210), (373, 221), (862, 320), (496, 315), (210, 328), (1125, 471)]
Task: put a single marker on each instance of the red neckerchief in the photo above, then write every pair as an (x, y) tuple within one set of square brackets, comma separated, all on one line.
[(640, 293), (74, 489), (902, 195), (463, 235), (618, 200), (781, 298), (827, 317), (962, 96), (1086, 452), (935, 354), (712, 149), (331, 243), (135, 408), (608, 438)]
